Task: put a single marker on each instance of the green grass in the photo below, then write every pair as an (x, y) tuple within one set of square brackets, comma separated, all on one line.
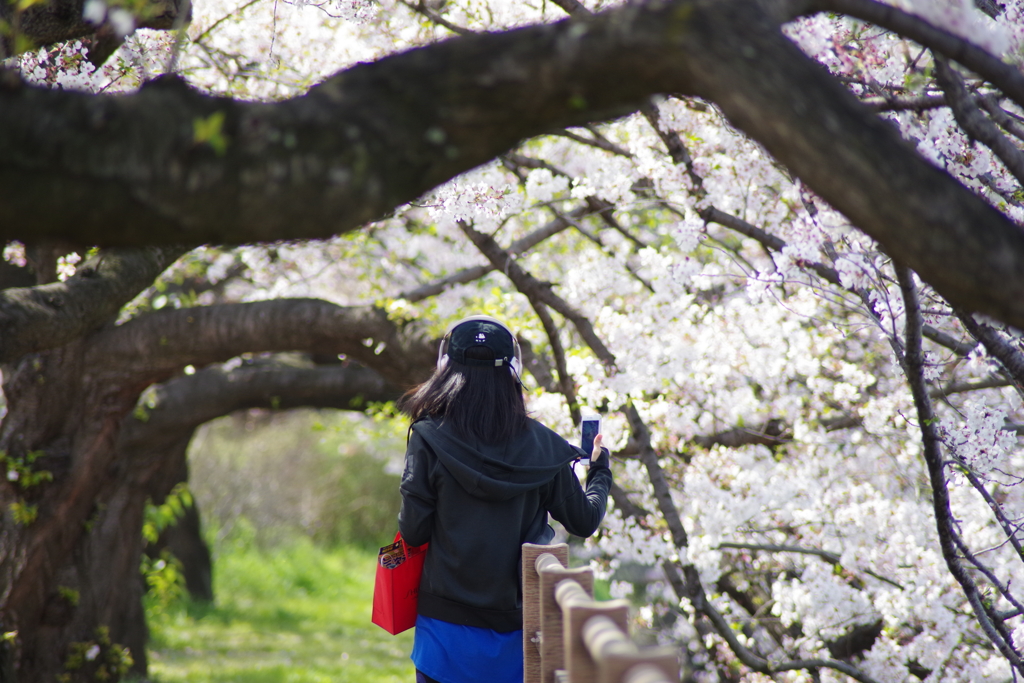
[(299, 614)]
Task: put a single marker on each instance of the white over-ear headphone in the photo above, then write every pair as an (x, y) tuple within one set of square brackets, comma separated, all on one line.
[(515, 363)]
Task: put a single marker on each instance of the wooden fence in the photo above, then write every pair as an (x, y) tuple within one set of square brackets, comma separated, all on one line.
[(568, 637)]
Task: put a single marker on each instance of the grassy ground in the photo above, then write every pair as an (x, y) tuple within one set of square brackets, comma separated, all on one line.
[(295, 615)]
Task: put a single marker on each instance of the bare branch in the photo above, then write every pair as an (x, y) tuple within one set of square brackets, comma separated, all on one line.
[(772, 433), (600, 143), (963, 387), (520, 246), (566, 384), (831, 558), (662, 491), (604, 209), (460, 277), (1008, 355), (572, 7), (913, 363), (942, 339), (974, 122), (676, 148), (996, 583), (997, 511), (538, 366), (422, 9), (608, 252), (1013, 126), (771, 242), (537, 290), (626, 507), (923, 103)]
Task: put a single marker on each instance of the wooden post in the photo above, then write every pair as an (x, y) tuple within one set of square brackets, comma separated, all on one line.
[(619, 660), (650, 673), (531, 605), (570, 638), (643, 667), (577, 609), (552, 650)]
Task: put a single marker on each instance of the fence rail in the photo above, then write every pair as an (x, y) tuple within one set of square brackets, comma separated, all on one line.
[(568, 637)]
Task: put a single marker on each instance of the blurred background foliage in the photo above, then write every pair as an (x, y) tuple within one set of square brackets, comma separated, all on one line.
[(274, 476), (294, 506)]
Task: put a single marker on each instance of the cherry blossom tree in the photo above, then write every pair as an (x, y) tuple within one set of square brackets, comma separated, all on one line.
[(776, 243)]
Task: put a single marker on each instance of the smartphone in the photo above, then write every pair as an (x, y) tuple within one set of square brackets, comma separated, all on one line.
[(590, 427)]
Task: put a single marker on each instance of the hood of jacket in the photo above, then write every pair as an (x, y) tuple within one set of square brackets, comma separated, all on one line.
[(499, 471)]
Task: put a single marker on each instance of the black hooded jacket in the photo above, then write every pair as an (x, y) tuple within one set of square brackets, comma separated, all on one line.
[(477, 504)]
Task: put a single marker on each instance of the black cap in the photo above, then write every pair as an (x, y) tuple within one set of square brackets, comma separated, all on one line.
[(481, 334)]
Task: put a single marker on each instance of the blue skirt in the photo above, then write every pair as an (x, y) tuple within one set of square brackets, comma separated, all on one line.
[(451, 653)]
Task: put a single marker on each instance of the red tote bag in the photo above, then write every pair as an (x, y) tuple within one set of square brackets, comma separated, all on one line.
[(397, 587)]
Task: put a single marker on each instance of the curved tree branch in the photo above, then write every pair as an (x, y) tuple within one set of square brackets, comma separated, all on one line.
[(350, 150), (183, 403), (155, 346), (130, 170)]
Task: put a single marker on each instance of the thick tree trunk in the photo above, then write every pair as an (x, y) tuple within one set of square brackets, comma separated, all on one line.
[(69, 559)]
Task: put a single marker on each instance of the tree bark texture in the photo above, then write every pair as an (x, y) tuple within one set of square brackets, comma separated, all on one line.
[(130, 170)]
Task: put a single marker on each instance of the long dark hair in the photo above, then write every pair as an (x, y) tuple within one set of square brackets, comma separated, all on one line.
[(485, 403)]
